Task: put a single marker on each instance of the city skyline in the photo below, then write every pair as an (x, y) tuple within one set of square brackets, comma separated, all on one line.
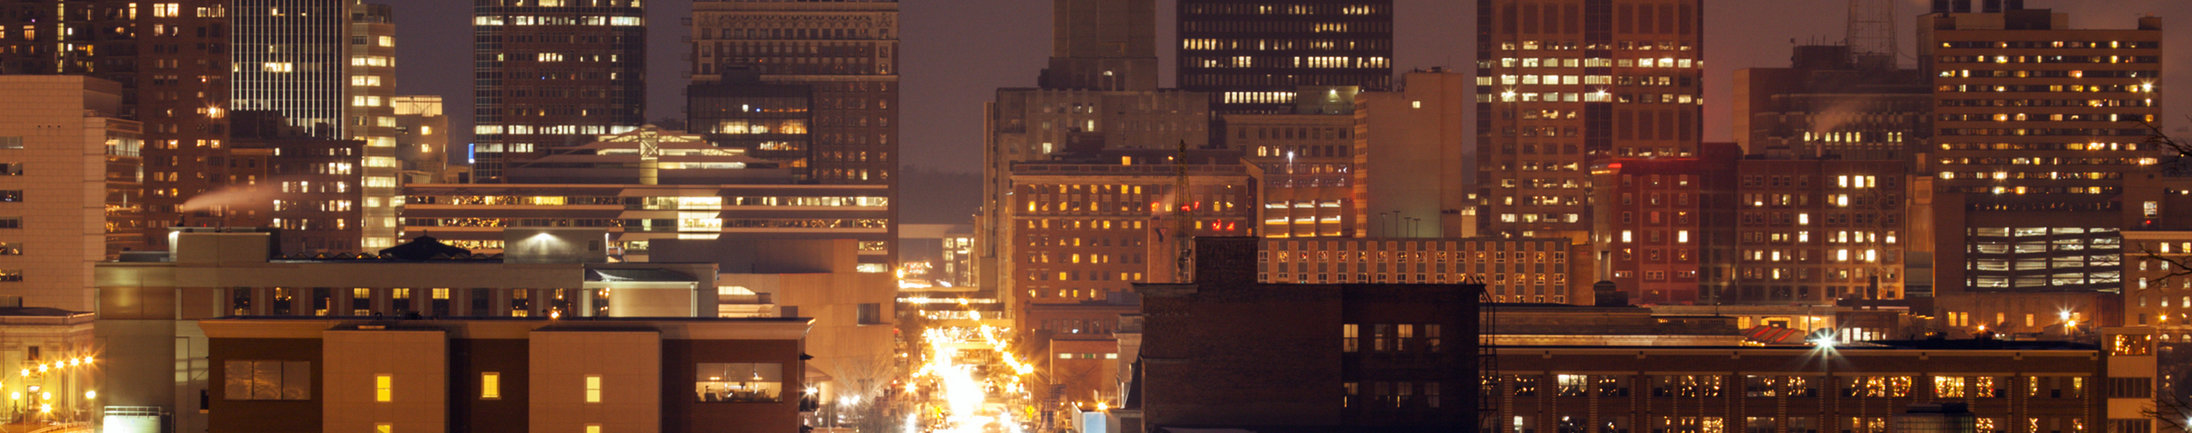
[(946, 82)]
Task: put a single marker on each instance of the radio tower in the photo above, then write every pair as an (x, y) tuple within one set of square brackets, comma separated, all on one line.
[(1871, 34)]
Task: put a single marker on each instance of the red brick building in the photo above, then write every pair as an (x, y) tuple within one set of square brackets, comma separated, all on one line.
[(1655, 224)]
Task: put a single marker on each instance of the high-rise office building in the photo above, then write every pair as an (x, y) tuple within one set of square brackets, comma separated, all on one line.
[(371, 116), (1253, 56), (2037, 128), (553, 74), (68, 187), (842, 54), (183, 99), (845, 50), (293, 57), (1563, 85)]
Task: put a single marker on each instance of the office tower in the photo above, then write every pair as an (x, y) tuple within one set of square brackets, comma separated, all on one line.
[(2038, 127), (1102, 45), (68, 187), (553, 74), (843, 54), (1253, 56), (1410, 177), (293, 58), (846, 51), (371, 118), (1818, 231), (70, 37), (182, 97), (1564, 85), (1085, 121), (422, 140), (1828, 104), (1658, 220), (770, 121)]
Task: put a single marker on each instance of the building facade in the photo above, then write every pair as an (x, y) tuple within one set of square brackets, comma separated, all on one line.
[(422, 140), (1084, 231), (1663, 225), (1562, 86), (277, 374), (550, 75), (1814, 231), (371, 119), (1253, 56), (2010, 386), (2038, 129), (1828, 102), (1387, 357), (1410, 165), (69, 187), (1532, 270), (846, 50)]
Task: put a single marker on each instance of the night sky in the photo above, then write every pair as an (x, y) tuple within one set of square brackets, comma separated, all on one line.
[(957, 52)]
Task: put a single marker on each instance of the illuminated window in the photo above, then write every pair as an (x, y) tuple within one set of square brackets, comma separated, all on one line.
[(491, 386), (383, 388), (593, 388), (384, 428), (593, 428)]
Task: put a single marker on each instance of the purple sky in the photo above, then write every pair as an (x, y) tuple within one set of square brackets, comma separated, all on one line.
[(957, 52)]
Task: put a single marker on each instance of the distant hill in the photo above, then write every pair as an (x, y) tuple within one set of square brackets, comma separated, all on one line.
[(928, 196)]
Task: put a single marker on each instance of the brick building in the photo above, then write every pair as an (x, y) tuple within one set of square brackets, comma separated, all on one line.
[(1663, 225)]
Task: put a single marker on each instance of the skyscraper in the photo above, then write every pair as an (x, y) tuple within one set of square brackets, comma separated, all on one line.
[(371, 116), (842, 53), (293, 57), (1564, 85), (325, 70), (2037, 127), (1254, 55), (551, 74)]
